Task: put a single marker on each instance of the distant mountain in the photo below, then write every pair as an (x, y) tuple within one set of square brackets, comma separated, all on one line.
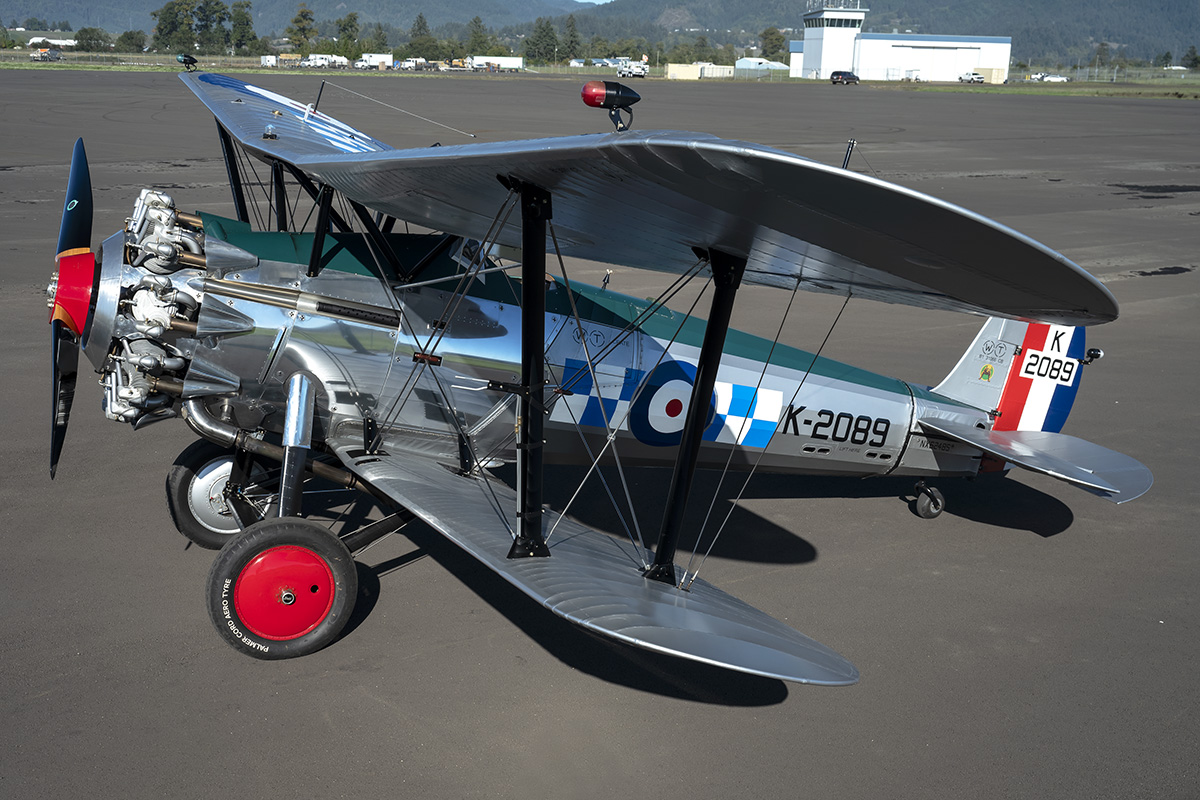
[(276, 15), (1042, 30), (1059, 29)]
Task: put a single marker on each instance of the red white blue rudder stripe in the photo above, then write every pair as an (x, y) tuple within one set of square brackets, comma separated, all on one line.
[(1041, 387)]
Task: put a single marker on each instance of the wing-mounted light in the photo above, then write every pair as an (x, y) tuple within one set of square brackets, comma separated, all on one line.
[(616, 97)]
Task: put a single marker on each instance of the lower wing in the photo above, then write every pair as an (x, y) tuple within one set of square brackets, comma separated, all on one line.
[(595, 580)]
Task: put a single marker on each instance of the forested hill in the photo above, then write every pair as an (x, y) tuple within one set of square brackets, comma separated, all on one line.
[(274, 16), (1042, 30)]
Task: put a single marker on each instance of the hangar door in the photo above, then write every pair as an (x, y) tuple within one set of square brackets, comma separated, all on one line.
[(939, 63)]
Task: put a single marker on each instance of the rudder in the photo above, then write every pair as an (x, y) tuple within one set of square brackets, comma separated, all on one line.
[(1026, 372), (1042, 385)]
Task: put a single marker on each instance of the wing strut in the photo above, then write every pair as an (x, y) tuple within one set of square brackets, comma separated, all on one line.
[(235, 175), (280, 193), (535, 213), (727, 276)]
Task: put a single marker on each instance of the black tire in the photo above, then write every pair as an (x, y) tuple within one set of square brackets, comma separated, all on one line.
[(930, 503), (284, 587), (195, 494)]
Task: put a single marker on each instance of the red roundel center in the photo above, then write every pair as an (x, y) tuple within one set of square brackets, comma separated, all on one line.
[(674, 407)]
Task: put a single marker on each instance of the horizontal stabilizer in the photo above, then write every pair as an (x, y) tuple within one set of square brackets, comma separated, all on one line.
[(594, 580), (1107, 473)]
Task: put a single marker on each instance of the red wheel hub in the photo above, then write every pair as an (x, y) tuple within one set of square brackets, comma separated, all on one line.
[(284, 592)]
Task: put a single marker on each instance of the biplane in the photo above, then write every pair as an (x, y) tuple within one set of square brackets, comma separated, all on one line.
[(392, 322)]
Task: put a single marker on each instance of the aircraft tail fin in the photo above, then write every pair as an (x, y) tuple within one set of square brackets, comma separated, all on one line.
[(1028, 373)]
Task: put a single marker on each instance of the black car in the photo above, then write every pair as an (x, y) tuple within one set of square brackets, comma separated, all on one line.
[(843, 77)]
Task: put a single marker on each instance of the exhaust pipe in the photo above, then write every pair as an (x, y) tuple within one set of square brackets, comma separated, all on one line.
[(209, 427)]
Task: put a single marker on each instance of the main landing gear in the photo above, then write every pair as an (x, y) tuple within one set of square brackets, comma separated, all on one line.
[(284, 587), (200, 498), (930, 502)]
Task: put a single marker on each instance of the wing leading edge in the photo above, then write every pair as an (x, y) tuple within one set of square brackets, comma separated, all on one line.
[(594, 580), (646, 199)]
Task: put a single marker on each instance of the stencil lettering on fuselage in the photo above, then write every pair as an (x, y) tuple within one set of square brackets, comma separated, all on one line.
[(654, 409)]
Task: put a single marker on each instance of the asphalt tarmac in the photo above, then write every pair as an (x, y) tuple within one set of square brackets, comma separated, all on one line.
[(1034, 641)]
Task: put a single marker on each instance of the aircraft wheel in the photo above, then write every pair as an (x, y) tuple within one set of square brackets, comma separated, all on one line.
[(196, 494), (284, 587), (930, 502)]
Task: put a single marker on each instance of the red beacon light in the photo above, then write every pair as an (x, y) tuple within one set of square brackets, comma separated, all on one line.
[(616, 97)]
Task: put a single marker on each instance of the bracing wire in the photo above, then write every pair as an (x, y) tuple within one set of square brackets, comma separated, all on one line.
[(638, 543), (645, 382), (431, 345), (737, 438), (401, 110), (659, 302), (245, 160), (868, 163), (453, 414), (733, 506), (608, 429)]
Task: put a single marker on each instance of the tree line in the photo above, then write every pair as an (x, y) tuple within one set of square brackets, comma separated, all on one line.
[(200, 26), (210, 27), (36, 24), (1106, 56)]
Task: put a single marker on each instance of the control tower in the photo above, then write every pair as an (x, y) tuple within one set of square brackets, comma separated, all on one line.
[(831, 29)]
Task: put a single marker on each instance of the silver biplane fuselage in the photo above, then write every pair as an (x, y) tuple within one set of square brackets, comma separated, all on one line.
[(262, 320)]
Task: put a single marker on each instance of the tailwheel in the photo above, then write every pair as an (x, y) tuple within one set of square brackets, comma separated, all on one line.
[(930, 502), (284, 587), (197, 497)]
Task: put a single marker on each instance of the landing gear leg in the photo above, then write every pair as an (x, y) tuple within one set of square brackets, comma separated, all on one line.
[(930, 502)]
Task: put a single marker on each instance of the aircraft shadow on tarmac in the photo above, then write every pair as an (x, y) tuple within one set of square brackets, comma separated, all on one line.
[(609, 661), (993, 501), (614, 663)]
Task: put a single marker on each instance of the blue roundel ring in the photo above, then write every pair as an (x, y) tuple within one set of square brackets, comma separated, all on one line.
[(641, 423)]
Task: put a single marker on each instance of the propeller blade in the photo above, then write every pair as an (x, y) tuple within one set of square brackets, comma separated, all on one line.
[(72, 290), (75, 232), (64, 364)]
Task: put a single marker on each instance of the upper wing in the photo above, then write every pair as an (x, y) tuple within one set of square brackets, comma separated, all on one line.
[(646, 199), (595, 581)]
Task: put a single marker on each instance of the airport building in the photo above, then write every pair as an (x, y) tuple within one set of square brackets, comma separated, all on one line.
[(834, 41)]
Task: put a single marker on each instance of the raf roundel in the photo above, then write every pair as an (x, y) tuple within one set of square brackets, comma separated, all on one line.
[(660, 409)]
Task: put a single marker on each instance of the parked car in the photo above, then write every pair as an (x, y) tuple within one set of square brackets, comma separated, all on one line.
[(633, 69), (1056, 79), (970, 77), (843, 77)]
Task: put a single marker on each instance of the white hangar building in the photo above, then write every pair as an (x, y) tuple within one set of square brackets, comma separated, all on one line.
[(834, 40)]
